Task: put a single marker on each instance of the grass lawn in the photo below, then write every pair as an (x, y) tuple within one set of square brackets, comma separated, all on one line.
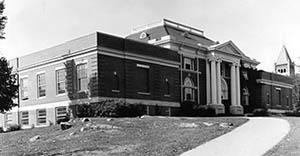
[(129, 136), (290, 145)]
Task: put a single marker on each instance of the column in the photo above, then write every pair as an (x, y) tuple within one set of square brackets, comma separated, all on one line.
[(233, 85), (208, 82), (213, 82), (198, 81), (219, 88), (238, 90)]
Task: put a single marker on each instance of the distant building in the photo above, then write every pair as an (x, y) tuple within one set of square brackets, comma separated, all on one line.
[(284, 64), (164, 66)]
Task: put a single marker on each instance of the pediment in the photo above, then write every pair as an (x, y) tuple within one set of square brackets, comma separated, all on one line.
[(229, 47)]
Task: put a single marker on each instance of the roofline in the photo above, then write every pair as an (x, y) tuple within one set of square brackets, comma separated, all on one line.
[(166, 22)]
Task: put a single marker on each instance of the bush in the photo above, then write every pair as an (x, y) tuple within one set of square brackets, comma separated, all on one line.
[(110, 108), (1, 129), (13, 127), (260, 112), (204, 111), (294, 113)]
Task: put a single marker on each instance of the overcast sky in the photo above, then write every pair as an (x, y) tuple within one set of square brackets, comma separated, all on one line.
[(259, 28)]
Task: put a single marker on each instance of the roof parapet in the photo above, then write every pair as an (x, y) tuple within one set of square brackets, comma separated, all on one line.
[(168, 23)]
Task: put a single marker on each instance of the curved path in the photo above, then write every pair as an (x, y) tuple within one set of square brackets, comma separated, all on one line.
[(254, 138)]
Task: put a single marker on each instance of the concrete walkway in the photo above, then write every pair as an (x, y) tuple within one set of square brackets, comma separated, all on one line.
[(254, 138)]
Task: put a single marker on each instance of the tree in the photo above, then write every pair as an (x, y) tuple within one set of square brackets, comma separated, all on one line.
[(2, 20), (8, 81), (8, 86), (296, 91)]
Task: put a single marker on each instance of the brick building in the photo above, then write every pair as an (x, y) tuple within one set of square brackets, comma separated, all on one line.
[(162, 65)]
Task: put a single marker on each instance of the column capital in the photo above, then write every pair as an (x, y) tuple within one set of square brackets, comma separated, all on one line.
[(219, 60), (210, 59)]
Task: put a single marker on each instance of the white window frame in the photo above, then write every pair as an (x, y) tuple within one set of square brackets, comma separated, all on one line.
[(60, 115), (79, 89), (8, 119), (39, 85), (188, 61), (24, 118), (24, 88), (40, 116), (58, 82)]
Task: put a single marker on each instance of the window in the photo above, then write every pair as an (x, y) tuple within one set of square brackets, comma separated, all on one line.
[(61, 113), (167, 87), (189, 90), (245, 75), (25, 118), (287, 101), (41, 82), (116, 85), (24, 88), (188, 64), (82, 79), (41, 117), (60, 81), (8, 120), (143, 79)]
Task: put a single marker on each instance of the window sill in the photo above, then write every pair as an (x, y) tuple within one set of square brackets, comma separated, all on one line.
[(115, 91), (167, 95), (43, 97), (61, 94), (143, 93), (44, 125)]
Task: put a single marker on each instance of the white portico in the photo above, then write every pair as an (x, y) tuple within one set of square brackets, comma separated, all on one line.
[(217, 86)]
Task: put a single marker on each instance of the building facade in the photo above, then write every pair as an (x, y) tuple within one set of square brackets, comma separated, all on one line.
[(162, 66)]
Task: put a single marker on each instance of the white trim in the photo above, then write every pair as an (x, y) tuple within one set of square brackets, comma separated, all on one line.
[(40, 72), (54, 62), (137, 57), (59, 68), (142, 66), (23, 76), (274, 83), (144, 93), (83, 61), (45, 106), (278, 88)]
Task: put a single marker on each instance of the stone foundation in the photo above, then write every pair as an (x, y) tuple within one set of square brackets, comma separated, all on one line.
[(219, 108), (237, 110)]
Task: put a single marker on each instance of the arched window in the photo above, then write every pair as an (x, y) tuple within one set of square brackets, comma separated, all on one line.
[(224, 87), (189, 90)]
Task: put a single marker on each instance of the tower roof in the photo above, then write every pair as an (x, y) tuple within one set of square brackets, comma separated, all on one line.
[(283, 57)]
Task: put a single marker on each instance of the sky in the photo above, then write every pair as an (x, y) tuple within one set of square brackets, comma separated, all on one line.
[(258, 27)]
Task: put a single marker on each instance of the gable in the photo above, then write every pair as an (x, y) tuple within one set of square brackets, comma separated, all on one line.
[(228, 48)]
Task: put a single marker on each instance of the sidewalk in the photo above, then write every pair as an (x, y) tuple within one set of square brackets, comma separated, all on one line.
[(254, 138)]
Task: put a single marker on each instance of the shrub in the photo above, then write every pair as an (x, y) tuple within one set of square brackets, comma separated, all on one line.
[(204, 111), (294, 113), (1, 129), (13, 127), (110, 108), (260, 112)]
